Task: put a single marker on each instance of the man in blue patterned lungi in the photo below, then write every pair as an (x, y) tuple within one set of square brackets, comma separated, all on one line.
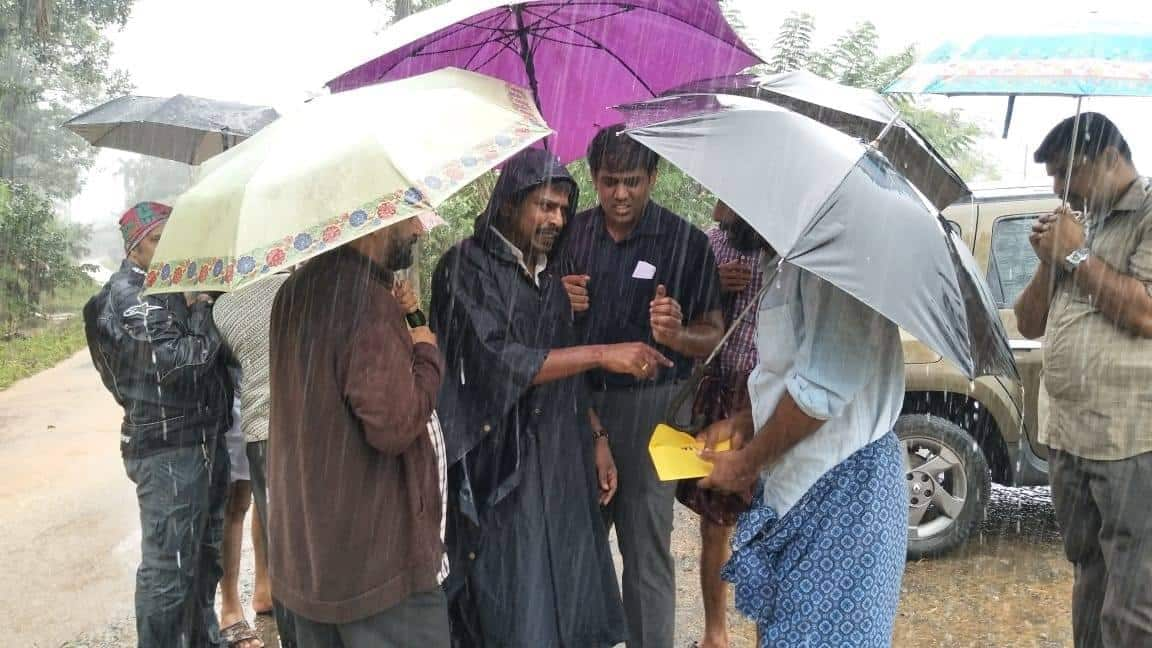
[(817, 560)]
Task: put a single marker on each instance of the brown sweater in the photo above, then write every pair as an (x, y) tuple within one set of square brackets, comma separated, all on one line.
[(354, 504)]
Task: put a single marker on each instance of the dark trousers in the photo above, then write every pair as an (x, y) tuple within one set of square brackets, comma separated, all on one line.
[(1102, 508), (419, 621), (257, 452), (182, 493), (641, 513)]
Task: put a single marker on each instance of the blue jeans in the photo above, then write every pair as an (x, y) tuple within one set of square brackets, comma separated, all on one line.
[(182, 493)]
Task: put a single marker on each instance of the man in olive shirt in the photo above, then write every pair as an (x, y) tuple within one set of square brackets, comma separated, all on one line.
[(1091, 298)]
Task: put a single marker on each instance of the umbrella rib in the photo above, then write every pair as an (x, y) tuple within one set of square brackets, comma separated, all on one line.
[(625, 6), (505, 45), (584, 21), (451, 31), (552, 39), (598, 45)]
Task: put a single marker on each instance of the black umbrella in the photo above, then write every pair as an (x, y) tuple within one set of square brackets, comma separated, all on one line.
[(181, 128)]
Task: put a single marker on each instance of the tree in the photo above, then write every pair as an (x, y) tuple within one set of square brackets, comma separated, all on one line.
[(854, 60), (793, 46), (39, 254), (53, 63), (400, 9)]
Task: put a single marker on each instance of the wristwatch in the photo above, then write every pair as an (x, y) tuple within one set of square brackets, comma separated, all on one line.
[(598, 434), (416, 319), (1073, 261)]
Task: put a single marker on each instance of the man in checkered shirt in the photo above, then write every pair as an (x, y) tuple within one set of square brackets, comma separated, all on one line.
[(737, 248)]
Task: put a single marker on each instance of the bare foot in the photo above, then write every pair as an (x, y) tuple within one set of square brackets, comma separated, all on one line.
[(262, 600)]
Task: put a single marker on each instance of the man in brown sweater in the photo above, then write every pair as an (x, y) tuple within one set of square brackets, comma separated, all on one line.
[(355, 468)]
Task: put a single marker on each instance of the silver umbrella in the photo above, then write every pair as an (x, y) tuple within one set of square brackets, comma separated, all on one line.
[(835, 207), (858, 112), (181, 128)]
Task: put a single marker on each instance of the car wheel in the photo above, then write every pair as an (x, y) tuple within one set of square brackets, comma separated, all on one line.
[(948, 483)]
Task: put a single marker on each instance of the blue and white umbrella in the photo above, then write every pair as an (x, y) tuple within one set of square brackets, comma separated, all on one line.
[(1074, 56)]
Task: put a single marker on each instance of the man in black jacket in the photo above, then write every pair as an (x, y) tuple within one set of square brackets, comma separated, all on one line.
[(161, 358)]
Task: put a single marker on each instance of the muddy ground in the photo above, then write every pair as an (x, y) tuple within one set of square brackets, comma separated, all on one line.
[(1008, 587)]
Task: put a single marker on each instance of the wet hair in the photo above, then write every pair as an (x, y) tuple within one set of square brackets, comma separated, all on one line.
[(1095, 134), (611, 150)]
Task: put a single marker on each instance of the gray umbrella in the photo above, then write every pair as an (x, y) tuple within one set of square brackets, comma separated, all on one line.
[(181, 128), (858, 112), (835, 207)]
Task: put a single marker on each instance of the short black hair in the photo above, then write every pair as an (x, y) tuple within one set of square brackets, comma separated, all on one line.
[(1096, 133), (612, 150)]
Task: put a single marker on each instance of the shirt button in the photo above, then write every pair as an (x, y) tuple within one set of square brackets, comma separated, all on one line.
[(471, 555), (486, 428)]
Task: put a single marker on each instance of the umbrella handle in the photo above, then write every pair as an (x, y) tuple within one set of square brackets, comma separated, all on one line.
[(884, 131), (688, 390)]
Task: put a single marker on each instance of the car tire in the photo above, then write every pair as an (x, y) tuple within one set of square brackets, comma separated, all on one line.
[(948, 483)]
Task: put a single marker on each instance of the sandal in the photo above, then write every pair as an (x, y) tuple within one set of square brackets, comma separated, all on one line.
[(240, 632)]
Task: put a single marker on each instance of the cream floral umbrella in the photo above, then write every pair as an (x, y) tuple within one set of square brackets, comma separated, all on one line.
[(340, 167)]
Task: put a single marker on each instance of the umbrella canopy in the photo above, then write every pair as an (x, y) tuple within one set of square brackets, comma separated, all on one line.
[(1085, 56), (579, 57), (181, 128), (340, 167), (858, 112), (836, 207)]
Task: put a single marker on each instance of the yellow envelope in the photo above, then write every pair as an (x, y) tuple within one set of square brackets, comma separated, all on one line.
[(674, 453)]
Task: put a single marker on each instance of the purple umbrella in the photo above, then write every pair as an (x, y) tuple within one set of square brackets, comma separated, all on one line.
[(579, 57)]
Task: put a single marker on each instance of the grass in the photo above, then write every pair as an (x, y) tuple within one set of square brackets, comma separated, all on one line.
[(44, 343), (44, 347)]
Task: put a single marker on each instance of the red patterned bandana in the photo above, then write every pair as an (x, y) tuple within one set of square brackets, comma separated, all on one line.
[(141, 219)]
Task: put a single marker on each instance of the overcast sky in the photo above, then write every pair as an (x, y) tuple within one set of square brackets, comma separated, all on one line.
[(276, 52)]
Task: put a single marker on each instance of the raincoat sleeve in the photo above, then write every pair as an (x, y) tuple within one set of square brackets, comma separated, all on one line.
[(183, 338), (391, 383), (841, 343), (470, 313)]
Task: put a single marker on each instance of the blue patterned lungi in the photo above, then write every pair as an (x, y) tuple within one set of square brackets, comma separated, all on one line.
[(827, 573)]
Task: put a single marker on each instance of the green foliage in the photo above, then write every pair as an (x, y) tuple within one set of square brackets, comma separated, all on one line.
[(37, 254), (24, 355), (53, 62), (793, 46), (400, 9), (854, 60)]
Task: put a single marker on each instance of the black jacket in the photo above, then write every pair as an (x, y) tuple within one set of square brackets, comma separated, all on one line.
[(162, 361)]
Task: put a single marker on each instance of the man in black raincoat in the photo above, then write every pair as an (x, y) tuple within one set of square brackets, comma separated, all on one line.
[(528, 462)]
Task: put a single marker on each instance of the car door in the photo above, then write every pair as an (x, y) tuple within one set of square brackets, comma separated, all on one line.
[(1010, 263)]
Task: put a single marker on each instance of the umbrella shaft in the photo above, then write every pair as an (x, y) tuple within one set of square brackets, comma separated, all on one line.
[(1072, 152), (526, 56)]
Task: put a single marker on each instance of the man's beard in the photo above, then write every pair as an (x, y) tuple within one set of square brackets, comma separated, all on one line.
[(402, 254), (743, 237)]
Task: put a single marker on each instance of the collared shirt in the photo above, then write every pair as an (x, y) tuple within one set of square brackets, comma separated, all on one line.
[(738, 356), (541, 260), (1098, 376), (663, 249), (839, 360), (244, 318)]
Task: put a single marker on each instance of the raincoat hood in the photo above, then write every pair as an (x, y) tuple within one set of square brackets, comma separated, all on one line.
[(522, 173)]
